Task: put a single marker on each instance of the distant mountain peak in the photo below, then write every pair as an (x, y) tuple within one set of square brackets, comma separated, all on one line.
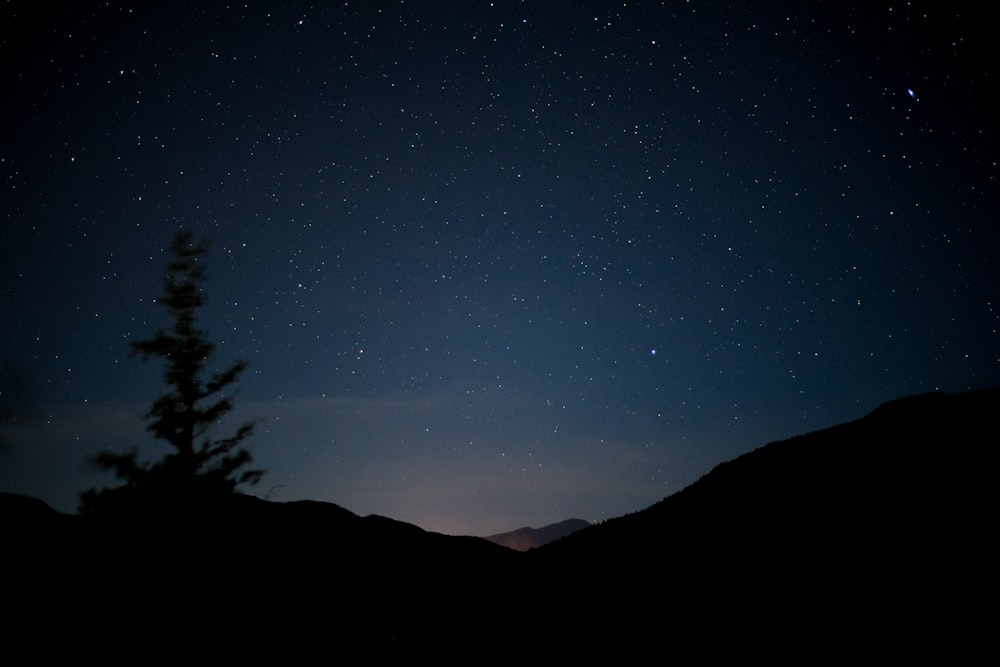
[(526, 538)]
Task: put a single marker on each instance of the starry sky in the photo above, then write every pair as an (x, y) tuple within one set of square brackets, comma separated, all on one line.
[(494, 264)]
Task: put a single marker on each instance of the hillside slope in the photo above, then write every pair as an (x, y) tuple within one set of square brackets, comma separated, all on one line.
[(871, 534)]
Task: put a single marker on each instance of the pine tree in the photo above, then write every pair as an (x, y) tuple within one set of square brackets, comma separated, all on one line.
[(197, 466)]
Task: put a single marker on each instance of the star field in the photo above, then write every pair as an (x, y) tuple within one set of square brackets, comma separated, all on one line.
[(495, 264)]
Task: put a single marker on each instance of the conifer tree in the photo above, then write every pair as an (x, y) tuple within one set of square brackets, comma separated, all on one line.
[(197, 465)]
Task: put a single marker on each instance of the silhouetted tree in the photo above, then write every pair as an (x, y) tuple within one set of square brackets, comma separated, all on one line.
[(198, 465)]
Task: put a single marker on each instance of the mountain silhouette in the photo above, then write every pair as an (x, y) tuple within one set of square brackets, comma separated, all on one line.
[(872, 535), (526, 538), (867, 533)]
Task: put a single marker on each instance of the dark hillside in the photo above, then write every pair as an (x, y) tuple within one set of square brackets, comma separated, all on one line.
[(305, 571), (869, 534), (883, 517)]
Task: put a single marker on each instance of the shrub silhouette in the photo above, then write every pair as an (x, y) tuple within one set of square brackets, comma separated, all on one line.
[(198, 465)]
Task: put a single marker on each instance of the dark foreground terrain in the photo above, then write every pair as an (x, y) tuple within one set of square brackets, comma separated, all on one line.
[(872, 537)]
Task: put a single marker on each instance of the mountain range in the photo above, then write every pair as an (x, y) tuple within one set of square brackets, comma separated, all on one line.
[(867, 536)]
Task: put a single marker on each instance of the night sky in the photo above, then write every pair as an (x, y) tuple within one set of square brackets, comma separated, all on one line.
[(494, 264)]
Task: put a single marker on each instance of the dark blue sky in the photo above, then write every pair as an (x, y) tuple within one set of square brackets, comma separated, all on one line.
[(495, 264)]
